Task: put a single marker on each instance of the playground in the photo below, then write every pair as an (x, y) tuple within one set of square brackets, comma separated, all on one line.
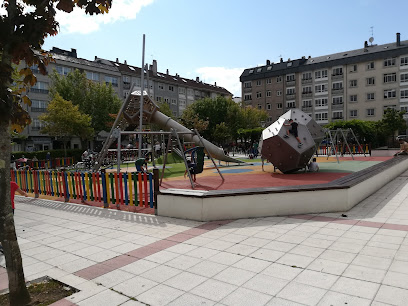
[(250, 174)]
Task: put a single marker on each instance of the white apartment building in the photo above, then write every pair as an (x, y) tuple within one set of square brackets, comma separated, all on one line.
[(357, 84)]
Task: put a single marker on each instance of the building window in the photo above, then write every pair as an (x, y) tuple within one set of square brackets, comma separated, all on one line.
[(320, 74), (247, 97), (353, 98), (279, 79), (370, 81), (390, 93), (306, 89), (404, 94), (158, 99), (112, 80), (268, 106), (182, 103), (269, 81), (258, 83), (259, 94), (291, 104), (259, 106), (353, 113), (63, 70), (290, 91), (321, 116), (171, 87), (353, 83), (278, 93), (370, 66), (38, 105), (290, 77), (268, 93), (166, 100), (387, 107), (404, 61), (182, 91), (321, 102), (173, 101), (404, 109), (307, 103), (389, 62), (40, 87), (337, 85), (353, 68), (93, 76), (161, 86), (337, 71), (337, 115), (321, 88), (307, 76), (370, 96), (370, 112), (190, 92), (404, 77), (337, 100), (279, 105), (248, 84), (390, 77)]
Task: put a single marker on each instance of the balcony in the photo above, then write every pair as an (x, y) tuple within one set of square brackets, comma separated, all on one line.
[(291, 83), (37, 90), (290, 97), (337, 106), (307, 94), (307, 108), (307, 81), (126, 85), (339, 91), (247, 89), (337, 118), (38, 109), (337, 77)]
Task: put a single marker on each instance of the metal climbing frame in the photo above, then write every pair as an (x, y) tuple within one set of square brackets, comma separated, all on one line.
[(342, 134)]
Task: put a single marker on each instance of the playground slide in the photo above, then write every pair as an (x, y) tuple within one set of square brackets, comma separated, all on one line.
[(166, 123)]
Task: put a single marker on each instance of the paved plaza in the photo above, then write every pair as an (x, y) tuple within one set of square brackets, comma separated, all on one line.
[(121, 258)]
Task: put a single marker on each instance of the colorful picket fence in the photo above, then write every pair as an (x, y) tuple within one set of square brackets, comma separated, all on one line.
[(355, 149), (47, 164), (133, 188)]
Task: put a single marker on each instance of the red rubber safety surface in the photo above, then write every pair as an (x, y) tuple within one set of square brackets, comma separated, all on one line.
[(243, 181)]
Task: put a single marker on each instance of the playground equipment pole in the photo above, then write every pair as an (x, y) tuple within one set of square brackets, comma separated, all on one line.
[(141, 100)]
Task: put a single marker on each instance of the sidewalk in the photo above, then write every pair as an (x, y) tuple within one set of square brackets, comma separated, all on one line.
[(120, 258)]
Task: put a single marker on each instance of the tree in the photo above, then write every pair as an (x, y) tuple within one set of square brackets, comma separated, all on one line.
[(365, 131), (213, 112), (22, 34), (393, 122), (95, 99), (64, 120)]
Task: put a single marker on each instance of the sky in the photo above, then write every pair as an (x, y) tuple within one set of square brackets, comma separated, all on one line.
[(217, 39)]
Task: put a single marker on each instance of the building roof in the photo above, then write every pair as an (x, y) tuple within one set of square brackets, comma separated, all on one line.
[(171, 79), (368, 53)]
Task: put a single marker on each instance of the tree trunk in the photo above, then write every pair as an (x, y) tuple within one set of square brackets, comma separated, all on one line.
[(18, 292)]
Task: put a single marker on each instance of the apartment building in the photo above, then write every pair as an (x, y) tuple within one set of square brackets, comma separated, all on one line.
[(356, 84), (178, 92)]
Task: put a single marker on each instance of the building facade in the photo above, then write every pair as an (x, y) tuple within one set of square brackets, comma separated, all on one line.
[(357, 84), (178, 92)]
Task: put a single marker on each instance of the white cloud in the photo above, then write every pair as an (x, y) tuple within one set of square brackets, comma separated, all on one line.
[(225, 77), (79, 22)]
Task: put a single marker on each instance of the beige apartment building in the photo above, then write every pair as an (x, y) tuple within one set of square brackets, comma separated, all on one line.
[(356, 84), (177, 91)]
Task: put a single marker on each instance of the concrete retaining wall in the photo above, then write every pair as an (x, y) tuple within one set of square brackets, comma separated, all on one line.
[(221, 205)]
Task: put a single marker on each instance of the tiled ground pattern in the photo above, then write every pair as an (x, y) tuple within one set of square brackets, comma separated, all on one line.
[(119, 258)]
